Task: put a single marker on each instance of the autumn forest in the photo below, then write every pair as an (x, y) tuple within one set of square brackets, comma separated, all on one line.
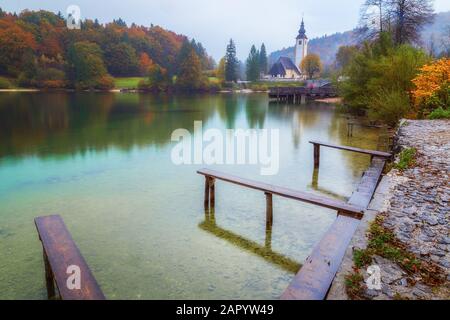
[(38, 50)]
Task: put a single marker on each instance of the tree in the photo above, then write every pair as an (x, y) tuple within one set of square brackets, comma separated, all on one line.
[(345, 55), (121, 60), (379, 78), (220, 71), (263, 60), (409, 17), (311, 65), (432, 86), (252, 65), (404, 19), (374, 16), (86, 63), (14, 43), (231, 62), (190, 76), (145, 63)]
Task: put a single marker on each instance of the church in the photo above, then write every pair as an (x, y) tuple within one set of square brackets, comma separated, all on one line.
[(285, 68)]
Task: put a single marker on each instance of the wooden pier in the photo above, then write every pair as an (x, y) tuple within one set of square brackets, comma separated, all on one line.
[(300, 94), (314, 278)]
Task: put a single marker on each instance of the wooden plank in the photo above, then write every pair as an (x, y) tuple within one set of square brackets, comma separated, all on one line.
[(315, 277), (62, 252), (364, 192), (352, 149), (285, 192), (313, 280)]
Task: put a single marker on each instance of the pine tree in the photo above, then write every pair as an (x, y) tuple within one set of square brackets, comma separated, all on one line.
[(252, 65), (263, 60), (231, 62)]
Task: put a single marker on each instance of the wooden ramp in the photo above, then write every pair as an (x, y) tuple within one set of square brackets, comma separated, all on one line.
[(60, 256)]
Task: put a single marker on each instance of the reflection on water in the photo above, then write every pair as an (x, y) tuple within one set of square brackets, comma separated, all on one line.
[(102, 161), (264, 251)]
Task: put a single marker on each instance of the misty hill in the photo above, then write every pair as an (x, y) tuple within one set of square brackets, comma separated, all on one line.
[(327, 46)]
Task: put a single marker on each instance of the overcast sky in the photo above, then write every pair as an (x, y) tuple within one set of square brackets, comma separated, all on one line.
[(214, 22)]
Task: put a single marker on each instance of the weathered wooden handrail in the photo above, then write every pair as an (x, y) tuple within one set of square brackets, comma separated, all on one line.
[(62, 259), (315, 277), (269, 190), (372, 153)]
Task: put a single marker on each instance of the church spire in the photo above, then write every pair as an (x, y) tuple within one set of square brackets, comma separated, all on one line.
[(302, 31)]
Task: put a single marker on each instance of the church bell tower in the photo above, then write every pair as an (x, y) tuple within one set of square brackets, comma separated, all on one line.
[(301, 45)]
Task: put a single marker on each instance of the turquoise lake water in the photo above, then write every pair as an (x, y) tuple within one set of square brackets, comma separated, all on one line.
[(102, 162)]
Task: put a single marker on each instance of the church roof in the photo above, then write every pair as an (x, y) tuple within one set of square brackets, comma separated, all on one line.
[(281, 66), (302, 32)]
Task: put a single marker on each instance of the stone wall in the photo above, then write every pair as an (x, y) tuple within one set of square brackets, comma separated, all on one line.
[(414, 204)]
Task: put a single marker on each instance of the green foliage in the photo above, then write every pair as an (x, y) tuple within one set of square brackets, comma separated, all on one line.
[(263, 60), (406, 159), (253, 64), (231, 62), (121, 60), (440, 113), (190, 76), (361, 258), (378, 79), (87, 68), (345, 55), (4, 83), (353, 284), (389, 106)]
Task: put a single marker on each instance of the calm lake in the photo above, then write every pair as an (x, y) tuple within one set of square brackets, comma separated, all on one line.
[(103, 162)]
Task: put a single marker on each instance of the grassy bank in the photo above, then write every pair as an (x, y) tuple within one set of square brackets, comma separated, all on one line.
[(127, 82)]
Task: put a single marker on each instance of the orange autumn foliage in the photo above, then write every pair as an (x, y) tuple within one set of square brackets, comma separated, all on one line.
[(433, 79)]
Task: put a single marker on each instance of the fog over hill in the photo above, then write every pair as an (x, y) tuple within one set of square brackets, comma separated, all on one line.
[(433, 38)]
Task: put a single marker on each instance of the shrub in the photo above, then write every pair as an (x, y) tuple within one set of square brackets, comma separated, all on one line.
[(432, 87), (4, 83), (104, 82), (406, 159), (440, 113), (389, 106)]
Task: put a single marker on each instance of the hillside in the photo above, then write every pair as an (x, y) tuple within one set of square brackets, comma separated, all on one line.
[(327, 46)]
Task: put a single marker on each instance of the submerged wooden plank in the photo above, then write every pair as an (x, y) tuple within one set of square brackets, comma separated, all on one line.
[(353, 149), (364, 192), (62, 252), (286, 192), (314, 278)]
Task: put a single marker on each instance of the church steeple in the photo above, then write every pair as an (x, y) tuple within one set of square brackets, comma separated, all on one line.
[(301, 45), (302, 31)]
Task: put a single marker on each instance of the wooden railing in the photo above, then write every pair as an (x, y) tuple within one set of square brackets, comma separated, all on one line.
[(270, 190), (62, 255), (372, 153)]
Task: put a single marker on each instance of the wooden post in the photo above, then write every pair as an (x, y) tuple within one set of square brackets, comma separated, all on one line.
[(269, 210), (49, 280), (303, 99), (212, 196), (206, 201), (268, 240), (316, 156)]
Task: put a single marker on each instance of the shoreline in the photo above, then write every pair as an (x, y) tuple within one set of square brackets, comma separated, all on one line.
[(412, 206)]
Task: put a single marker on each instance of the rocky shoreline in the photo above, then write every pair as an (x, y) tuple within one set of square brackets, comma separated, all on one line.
[(411, 206)]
